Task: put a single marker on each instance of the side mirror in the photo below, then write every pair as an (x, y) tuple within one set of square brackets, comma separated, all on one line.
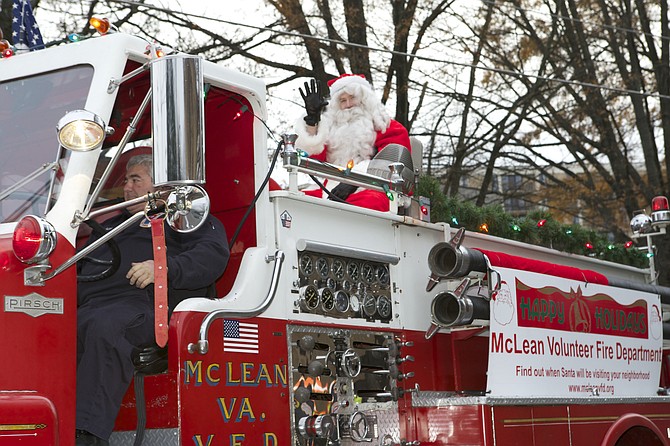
[(187, 208)]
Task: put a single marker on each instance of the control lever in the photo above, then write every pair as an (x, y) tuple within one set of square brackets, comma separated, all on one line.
[(314, 368), (303, 394), (395, 373), (409, 358), (375, 394), (307, 343)]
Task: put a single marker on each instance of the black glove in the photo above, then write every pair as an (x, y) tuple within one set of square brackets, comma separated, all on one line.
[(342, 191), (314, 101)]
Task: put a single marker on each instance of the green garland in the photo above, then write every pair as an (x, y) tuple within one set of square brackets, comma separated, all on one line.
[(537, 228)]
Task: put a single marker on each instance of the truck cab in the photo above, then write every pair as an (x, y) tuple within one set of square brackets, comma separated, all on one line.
[(332, 324)]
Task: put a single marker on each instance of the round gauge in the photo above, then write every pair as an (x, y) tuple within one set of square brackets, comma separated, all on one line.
[(358, 426), (330, 283), (354, 303), (322, 267), (384, 307), (368, 272), (339, 269), (306, 264), (327, 298), (382, 274), (341, 301), (309, 297), (369, 305), (354, 271), (347, 285)]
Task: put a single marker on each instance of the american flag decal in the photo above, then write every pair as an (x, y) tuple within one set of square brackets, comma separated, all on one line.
[(240, 337)]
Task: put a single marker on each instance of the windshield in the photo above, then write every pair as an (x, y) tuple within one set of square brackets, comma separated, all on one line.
[(29, 111)]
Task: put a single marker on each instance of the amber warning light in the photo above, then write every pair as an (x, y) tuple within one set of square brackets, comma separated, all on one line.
[(101, 25)]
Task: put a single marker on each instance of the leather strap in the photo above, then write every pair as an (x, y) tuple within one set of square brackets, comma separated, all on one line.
[(160, 282)]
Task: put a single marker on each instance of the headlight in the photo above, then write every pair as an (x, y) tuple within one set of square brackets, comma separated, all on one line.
[(81, 131)]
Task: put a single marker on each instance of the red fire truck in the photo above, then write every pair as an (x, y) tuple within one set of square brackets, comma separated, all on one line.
[(335, 325)]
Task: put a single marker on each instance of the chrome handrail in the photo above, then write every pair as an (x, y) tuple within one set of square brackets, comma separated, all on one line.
[(202, 346)]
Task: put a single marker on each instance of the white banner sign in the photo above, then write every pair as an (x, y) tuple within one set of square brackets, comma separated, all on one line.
[(572, 339)]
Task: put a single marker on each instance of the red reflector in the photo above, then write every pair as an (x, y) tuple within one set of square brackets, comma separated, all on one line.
[(659, 204), (27, 239), (424, 210)]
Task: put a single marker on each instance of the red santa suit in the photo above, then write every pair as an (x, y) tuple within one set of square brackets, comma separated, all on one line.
[(356, 133)]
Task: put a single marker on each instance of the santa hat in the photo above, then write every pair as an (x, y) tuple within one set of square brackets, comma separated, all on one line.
[(339, 83)]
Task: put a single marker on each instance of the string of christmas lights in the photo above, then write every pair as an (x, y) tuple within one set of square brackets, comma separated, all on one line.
[(537, 228)]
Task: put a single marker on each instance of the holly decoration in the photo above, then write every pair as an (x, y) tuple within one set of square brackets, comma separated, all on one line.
[(537, 227)]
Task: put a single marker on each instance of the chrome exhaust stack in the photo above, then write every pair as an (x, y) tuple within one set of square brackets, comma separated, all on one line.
[(178, 120), (450, 260)]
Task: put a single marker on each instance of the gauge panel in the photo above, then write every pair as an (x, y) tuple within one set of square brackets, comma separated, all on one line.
[(344, 287)]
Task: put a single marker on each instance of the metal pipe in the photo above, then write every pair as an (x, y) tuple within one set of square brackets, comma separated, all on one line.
[(448, 310), (449, 261), (333, 172), (202, 346), (662, 291), (122, 144), (28, 178), (86, 251)]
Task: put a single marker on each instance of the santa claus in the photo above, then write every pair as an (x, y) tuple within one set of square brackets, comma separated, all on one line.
[(354, 126)]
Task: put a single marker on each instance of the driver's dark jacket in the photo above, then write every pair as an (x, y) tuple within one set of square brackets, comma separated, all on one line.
[(195, 260), (115, 319)]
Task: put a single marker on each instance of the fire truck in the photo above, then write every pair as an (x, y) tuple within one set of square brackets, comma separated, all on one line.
[(334, 324)]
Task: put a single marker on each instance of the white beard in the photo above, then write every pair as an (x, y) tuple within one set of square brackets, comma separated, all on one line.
[(351, 135)]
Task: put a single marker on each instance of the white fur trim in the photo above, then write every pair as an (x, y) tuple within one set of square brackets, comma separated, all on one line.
[(312, 144), (343, 82)]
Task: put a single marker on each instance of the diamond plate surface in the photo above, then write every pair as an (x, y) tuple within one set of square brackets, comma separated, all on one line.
[(388, 427), (152, 437)]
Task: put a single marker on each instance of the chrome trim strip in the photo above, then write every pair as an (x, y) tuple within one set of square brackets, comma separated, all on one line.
[(345, 251)]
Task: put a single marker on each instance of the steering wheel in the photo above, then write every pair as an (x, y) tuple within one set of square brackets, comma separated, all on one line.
[(112, 265)]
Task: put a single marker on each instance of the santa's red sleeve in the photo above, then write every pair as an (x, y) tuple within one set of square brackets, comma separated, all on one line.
[(396, 133), (370, 199)]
